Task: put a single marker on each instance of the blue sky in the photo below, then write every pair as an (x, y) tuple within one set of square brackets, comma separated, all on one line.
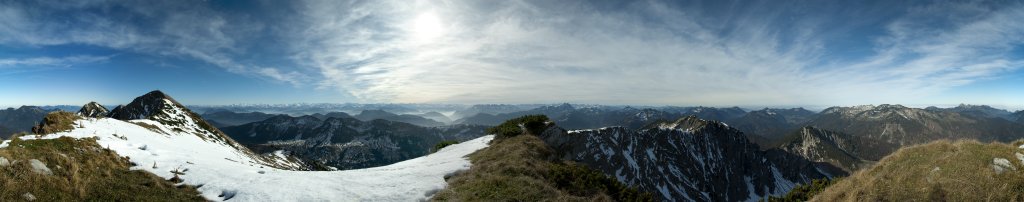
[(712, 53)]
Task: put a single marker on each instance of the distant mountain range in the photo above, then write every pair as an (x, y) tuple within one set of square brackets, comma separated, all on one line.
[(880, 130), (343, 142), (21, 119)]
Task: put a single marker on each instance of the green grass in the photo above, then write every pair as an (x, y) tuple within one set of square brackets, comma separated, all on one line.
[(82, 171), (523, 168), (939, 171)]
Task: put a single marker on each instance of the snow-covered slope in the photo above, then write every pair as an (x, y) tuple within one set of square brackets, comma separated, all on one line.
[(223, 172)]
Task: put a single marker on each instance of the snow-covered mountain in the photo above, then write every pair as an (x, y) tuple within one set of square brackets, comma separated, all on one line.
[(160, 136), (688, 159), (345, 142)]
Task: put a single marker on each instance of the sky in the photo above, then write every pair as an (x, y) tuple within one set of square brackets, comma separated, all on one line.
[(682, 53)]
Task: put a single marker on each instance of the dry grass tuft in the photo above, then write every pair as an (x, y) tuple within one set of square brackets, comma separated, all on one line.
[(939, 171)]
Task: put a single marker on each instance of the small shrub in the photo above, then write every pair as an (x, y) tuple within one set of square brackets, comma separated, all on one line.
[(534, 124), (443, 144), (805, 192), (582, 181)]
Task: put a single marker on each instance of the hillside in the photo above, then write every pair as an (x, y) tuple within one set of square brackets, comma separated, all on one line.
[(938, 171)]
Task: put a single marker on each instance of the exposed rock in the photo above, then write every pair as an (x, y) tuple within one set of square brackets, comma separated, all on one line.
[(4, 162), (39, 167), (93, 110), (28, 196), (1021, 158), (1001, 165)]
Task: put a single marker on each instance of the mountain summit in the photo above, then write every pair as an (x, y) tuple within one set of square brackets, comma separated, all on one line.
[(94, 110)]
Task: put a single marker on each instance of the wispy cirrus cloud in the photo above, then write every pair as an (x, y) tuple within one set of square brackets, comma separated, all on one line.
[(166, 29), (655, 52), (50, 61)]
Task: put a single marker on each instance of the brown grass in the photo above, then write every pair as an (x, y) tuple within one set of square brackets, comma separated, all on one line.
[(516, 169), (82, 171), (58, 121), (964, 174)]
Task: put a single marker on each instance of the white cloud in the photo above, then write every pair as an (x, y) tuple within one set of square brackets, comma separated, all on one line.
[(166, 29), (50, 61)]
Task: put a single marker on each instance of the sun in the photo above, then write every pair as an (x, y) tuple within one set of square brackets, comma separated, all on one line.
[(427, 26)]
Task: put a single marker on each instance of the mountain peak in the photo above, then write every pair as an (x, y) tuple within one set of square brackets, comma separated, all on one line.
[(145, 106), (93, 109)]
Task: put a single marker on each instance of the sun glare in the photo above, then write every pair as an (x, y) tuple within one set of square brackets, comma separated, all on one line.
[(427, 26)]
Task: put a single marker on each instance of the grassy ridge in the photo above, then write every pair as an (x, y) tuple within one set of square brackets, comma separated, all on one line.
[(938, 171), (81, 171), (521, 167)]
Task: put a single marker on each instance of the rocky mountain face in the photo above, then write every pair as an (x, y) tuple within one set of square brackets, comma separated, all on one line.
[(229, 118), (94, 110), (347, 143), (686, 160), (882, 129), (369, 115), (22, 119), (820, 145)]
